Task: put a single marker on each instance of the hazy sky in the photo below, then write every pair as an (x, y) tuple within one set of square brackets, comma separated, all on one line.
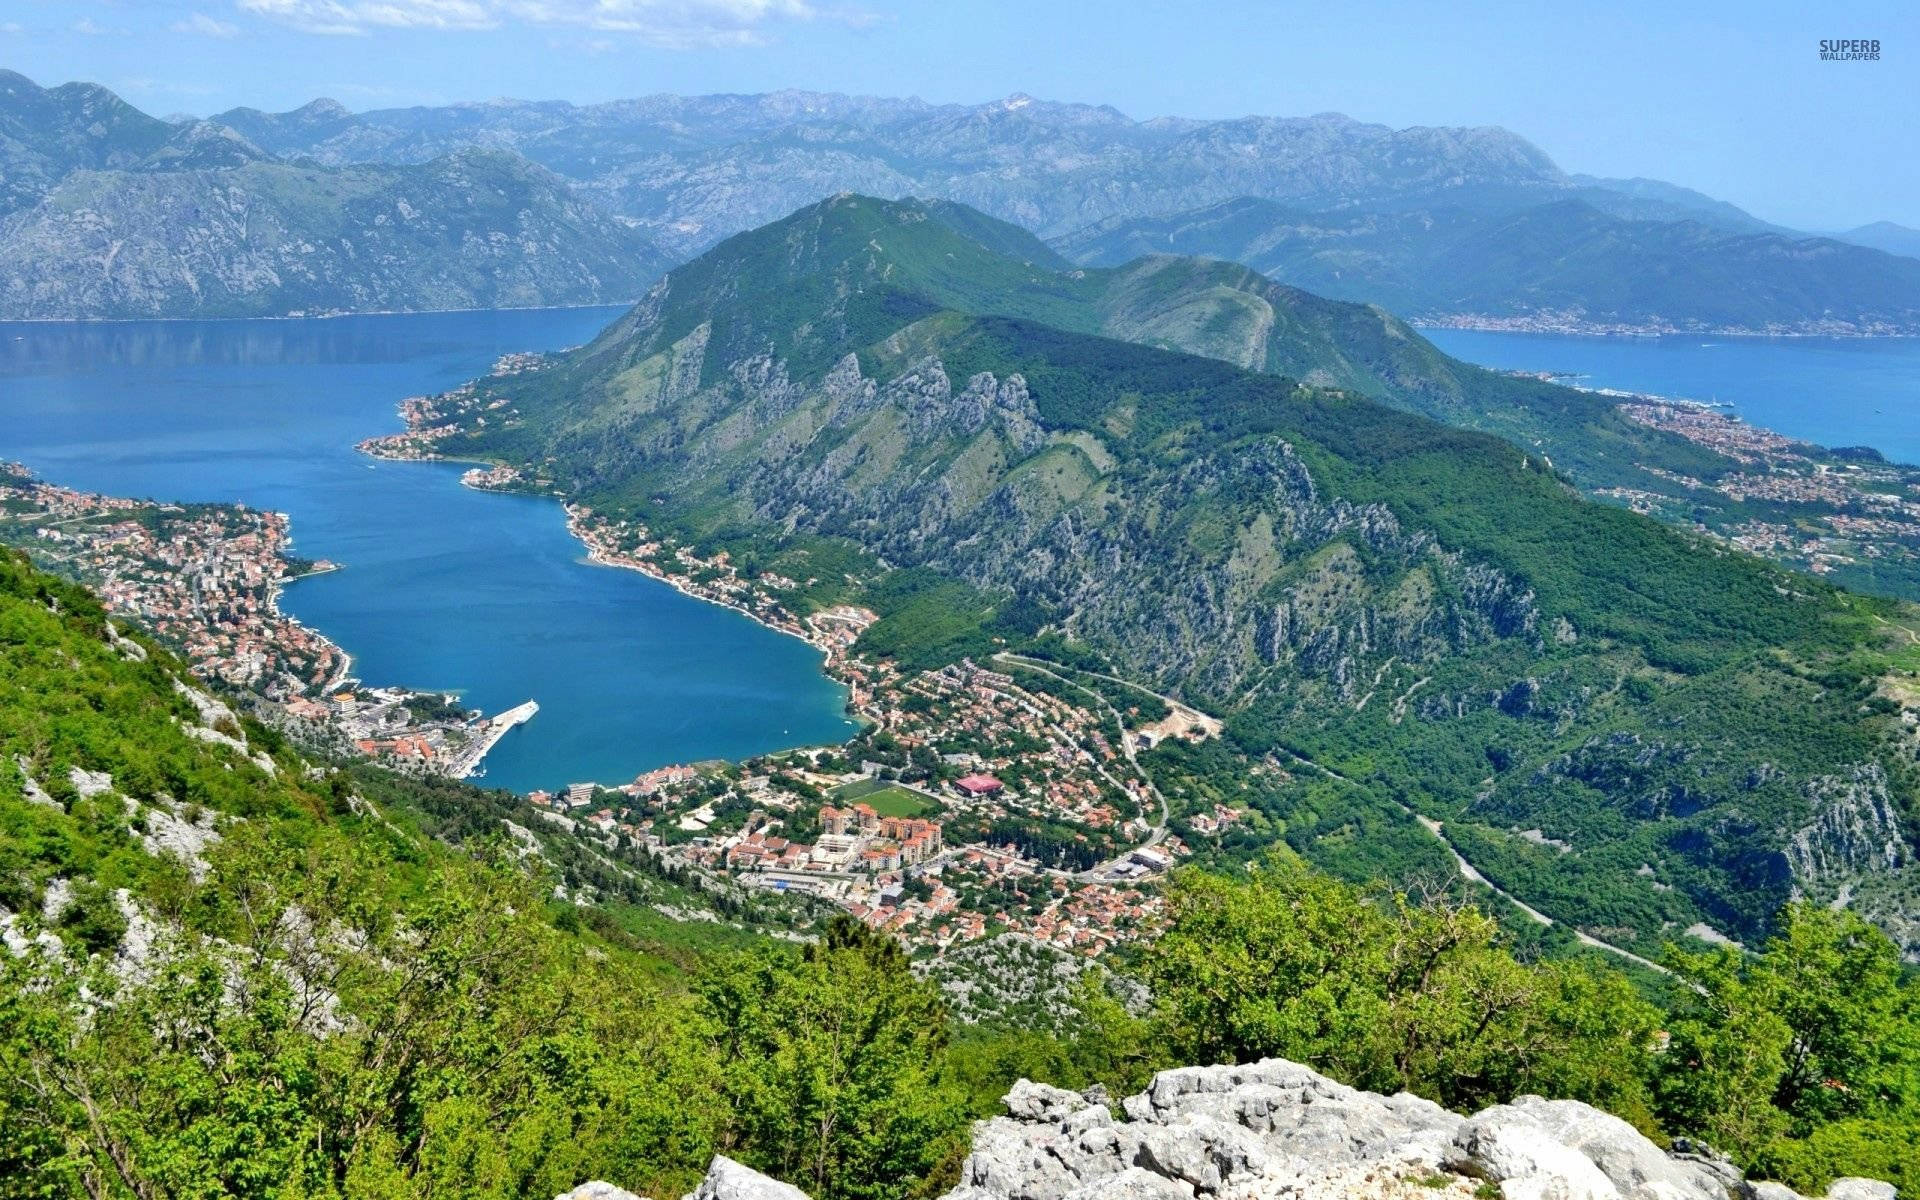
[(1729, 98)]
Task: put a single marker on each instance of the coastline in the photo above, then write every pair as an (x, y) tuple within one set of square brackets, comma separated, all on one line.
[(803, 630), (277, 586), (410, 446), (599, 556), (321, 316), (1602, 329)]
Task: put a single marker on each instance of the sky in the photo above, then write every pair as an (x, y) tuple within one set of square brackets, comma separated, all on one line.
[(1728, 98)]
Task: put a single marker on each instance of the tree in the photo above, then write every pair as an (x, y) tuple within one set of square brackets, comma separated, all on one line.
[(1837, 982), (832, 1071), (1387, 994), (1797, 1060)]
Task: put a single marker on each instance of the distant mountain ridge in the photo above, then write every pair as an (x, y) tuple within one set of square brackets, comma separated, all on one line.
[(47, 132), (1635, 252), (1457, 224), (1885, 235), (694, 169), (1564, 262), (106, 212)]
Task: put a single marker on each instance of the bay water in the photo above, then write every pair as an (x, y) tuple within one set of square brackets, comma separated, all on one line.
[(443, 587)]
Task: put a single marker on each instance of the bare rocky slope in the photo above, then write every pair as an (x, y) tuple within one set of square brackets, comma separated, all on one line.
[(106, 213), (694, 169), (1277, 1129)]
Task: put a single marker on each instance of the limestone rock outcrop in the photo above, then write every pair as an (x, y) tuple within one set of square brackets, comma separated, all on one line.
[(1276, 1130)]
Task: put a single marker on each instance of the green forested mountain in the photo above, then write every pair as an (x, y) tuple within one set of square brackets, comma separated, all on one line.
[(1683, 734), (1566, 261), (954, 257)]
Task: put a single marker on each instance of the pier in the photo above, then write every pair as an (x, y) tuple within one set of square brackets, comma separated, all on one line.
[(469, 760)]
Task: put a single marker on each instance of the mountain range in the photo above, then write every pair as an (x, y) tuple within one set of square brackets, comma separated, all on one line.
[(108, 213), (1634, 730), (1451, 224), (1564, 262), (1597, 251)]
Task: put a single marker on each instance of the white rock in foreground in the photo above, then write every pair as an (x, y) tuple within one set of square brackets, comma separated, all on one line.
[(1275, 1130), (729, 1180), (597, 1190)]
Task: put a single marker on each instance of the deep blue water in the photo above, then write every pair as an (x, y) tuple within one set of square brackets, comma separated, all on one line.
[(444, 587), (1831, 391)]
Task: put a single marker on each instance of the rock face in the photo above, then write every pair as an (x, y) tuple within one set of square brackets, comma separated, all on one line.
[(477, 229), (729, 1180), (597, 1190), (1275, 1129), (1278, 1129)]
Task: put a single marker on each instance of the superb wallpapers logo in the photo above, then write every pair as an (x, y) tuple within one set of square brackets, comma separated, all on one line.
[(1849, 49)]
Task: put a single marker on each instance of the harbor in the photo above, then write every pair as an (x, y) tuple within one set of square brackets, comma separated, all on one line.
[(470, 761)]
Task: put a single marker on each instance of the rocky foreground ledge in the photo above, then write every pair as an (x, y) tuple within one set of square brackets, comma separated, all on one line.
[(1275, 1129)]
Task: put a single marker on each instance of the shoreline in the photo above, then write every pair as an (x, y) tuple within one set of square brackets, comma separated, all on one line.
[(596, 555), (1646, 332), (601, 558), (810, 637), (327, 316)]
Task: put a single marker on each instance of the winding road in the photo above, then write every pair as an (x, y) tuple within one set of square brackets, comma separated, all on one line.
[(1469, 872), (1159, 830)]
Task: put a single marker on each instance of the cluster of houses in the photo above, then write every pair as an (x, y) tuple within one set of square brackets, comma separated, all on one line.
[(852, 839), (202, 578)]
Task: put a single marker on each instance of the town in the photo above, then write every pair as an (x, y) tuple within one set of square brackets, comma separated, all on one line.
[(1845, 510), (202, 577), (981, 798), (206, 579)]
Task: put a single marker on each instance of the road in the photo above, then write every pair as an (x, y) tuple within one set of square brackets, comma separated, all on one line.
[(1472, 873), (1438, 830), (1159, 830)]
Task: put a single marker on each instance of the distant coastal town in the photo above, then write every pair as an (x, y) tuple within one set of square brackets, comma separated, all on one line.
[(1820, 510), (206, 580), (1578, 324)]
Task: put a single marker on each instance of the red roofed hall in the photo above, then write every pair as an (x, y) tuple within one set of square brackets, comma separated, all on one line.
[(978, 785)]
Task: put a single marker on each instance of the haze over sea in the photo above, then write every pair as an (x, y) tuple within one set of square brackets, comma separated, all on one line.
[(1831, 391), (445, 587)]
